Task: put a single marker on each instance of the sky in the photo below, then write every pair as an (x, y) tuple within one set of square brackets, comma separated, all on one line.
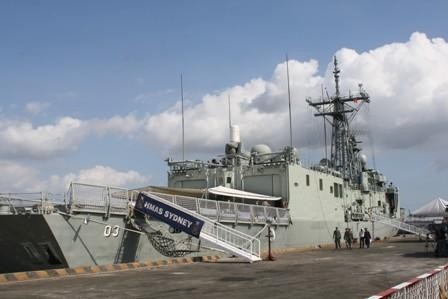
[(90, 90)]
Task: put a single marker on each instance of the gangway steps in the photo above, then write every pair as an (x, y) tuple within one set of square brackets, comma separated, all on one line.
[(400, 225), (227, 238), (233, 249)]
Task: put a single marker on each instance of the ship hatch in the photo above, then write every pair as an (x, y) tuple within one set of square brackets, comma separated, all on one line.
[(33, 253), (50, 254)]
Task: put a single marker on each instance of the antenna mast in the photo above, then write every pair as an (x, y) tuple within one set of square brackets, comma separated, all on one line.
[(183, 130), (230, 113), (289, 101), (339, 111)]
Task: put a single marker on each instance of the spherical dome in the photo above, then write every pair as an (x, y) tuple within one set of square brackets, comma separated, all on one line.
[(261, 149), (364, 160)]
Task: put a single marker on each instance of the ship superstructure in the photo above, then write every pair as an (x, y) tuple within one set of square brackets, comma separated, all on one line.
[(347, 188)]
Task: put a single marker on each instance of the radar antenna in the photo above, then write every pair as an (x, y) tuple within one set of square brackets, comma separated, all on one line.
[(339, 111)]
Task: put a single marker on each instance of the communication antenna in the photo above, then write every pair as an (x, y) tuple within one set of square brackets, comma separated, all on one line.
[(230, 112), (183, 130), (289, 101), (230, 116)]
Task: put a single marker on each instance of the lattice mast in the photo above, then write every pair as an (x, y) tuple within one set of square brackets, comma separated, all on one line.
[(339, 111)]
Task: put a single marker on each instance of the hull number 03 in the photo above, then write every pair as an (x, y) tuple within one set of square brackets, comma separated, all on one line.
[(111, 231)]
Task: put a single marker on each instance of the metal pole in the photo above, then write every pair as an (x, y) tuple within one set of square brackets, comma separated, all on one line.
[(183, 130), (230, 114), (270, 256), (289, 101)]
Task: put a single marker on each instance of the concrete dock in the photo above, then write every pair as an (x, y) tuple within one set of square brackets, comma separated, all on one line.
[(319, 273)]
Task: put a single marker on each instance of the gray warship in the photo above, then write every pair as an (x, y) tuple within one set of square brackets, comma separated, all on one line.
[(235, 198)]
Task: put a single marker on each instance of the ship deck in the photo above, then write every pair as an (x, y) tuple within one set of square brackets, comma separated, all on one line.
[(319, 273)]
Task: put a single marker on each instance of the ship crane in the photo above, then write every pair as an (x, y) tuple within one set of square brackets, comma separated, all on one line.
[(339, 111)]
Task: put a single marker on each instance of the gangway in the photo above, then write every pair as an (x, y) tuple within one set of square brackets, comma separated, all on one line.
[(419, 231), (232, 240)]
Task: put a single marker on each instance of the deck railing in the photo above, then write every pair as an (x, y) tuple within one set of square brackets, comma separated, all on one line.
[(98, 199), (30, 203), (107, 200), (230, 211)]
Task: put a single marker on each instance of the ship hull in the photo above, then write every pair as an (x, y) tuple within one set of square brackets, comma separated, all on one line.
[(27, 243), (50, 241), (314, 234)]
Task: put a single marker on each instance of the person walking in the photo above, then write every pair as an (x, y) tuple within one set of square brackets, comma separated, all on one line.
[(367, 237), (361, 238), (337, 238), (348, 237)]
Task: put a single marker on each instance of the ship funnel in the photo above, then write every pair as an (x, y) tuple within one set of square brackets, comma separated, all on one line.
[(235, 134)]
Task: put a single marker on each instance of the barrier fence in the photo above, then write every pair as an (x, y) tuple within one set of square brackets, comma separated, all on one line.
[(432, 285)]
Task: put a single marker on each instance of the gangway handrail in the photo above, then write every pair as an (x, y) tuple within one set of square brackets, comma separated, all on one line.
[(399, 224), (282, 215)]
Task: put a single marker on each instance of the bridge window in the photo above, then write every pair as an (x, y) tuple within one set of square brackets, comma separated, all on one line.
[(321, 185), (337, 190), (331, 189), (307, 179)]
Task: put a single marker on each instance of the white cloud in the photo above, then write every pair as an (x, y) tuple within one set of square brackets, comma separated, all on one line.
[(259, 106), (406, 81), (103, 175), (18, 177), (409, 89), (409, 101), (20, 139), (23, 140), (116, 125), (36, 107)]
